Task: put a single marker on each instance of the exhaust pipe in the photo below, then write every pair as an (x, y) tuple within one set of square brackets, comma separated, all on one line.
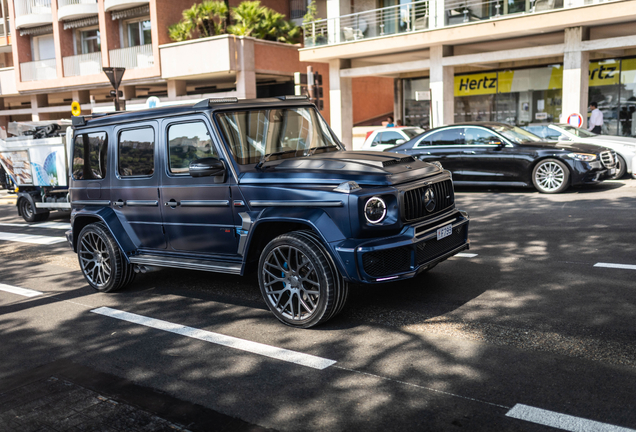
[(141, 268)]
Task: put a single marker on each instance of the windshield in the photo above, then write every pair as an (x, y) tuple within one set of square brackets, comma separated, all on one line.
[(581, 133), (279, 132), (412, 132), (516, 135)]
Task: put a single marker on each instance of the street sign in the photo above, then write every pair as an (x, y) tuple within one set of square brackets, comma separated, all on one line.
[(114, 74), (76, 109), (575, 120)]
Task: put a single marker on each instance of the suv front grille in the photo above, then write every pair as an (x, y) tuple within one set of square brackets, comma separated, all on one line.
[(414, 205), (609, 159)]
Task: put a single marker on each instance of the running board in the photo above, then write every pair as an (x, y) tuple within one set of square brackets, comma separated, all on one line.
[(190, 264)]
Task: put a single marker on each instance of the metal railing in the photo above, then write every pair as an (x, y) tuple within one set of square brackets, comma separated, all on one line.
[(377, 22), (62, 3), (136, 57), (84, 64), (424, 15), (28, 7), (38, 70)]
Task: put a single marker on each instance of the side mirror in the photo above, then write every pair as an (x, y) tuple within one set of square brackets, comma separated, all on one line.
[(563, 138), (400, 141), (207, 167)]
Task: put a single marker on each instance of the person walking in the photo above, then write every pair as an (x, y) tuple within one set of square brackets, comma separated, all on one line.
[(596, 119)]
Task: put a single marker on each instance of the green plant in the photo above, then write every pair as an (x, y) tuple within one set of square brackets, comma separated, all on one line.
[(180, 31)]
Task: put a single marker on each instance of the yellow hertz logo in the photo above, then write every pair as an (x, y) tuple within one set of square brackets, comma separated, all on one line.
[(604, 73), (478, 84)]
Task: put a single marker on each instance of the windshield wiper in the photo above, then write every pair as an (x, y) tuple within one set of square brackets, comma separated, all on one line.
[(312, 150), (265, 157)]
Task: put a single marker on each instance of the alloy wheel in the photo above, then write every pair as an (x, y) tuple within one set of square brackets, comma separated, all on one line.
[(95, 259), (550, 176)]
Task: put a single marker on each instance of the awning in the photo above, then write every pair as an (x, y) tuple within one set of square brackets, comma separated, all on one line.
[(36, 31), (84, 22), (131, 13)]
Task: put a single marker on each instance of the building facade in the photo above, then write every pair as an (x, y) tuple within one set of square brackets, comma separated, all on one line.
[(52, 53), (515, 61)]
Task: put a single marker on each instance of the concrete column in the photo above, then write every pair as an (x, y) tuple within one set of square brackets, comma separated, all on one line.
[(245, 70), (437, 15), (129, 92), (177, 88), (335, 9), (341, 102), (576, 69), (82, 96), (442, 87), (39, 101), (398, 100)]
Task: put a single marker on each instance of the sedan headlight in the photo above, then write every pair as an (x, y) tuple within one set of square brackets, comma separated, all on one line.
[(375, 210), (586, 157)]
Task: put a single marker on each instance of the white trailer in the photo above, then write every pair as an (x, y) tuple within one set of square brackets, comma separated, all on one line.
[(39, 169)]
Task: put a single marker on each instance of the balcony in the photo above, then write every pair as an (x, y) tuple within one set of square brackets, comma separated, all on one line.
[(137, 57), (112, 5), (75, 9), (425, 15), (32, 13), (7, 82), (38, 70), (84, 64)]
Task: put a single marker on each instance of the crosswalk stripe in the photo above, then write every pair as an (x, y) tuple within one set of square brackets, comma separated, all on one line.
[(28, 238), (20, 291)]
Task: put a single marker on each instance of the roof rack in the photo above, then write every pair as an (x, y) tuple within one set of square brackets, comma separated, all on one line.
[(81, 120), (293, 97), (207, 103)]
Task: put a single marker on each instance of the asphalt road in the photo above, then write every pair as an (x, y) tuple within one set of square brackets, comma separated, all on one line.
[(531, 334)]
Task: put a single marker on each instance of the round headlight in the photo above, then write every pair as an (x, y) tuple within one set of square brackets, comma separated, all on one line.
[(375, 210)]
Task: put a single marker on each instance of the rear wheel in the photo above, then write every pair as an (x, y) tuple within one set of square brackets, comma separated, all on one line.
[(621, 168), (102, 262), (551, 176), (299, 282), (28, 212)]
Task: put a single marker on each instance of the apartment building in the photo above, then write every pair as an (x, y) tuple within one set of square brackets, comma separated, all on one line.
[(52, 53), (516, 61)]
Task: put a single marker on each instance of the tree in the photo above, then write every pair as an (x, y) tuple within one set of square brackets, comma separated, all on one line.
[(180, 31), (208, 18)]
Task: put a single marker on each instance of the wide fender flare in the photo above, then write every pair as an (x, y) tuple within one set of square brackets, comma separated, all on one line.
[(120, 230), (320, 222)]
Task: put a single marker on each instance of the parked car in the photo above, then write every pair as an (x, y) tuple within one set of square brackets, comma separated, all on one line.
[(227, 186), (499, 154), (625, 147), (382, 139)]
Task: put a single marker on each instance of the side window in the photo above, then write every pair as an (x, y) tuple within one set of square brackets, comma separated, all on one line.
[(391, 137), (377, 138), (537, 130), (188, 142), (453, 136), (137, 152), (550, 134), (478, 136), (89, 156)]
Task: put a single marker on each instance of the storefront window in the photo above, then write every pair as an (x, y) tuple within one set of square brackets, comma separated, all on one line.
[(518, 97), (627, 115), (605, 91), (417, 105)]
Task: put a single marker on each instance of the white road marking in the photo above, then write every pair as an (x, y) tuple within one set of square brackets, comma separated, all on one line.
[(561, 421), (466, 255), (617, 266), (28, 238), (54, 225), (20, 291), (228, 341)]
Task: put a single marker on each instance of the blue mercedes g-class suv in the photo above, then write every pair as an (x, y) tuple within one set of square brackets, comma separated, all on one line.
[(227, 185)]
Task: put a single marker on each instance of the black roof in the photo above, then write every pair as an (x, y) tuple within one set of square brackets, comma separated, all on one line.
[(177, 110)]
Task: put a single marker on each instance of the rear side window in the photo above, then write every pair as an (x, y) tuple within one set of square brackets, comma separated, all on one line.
[(391, 138), (89, 156), (137, 152), (188, 142), (453, 136)]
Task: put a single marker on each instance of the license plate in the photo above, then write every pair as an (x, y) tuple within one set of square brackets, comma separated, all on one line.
[(444, 231)]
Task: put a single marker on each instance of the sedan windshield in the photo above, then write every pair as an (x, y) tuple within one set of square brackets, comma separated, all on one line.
[(279, 133), (516, 134), (412, 132), (581, 133)]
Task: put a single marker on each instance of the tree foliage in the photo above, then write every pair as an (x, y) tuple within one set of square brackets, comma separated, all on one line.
[(249, 18)]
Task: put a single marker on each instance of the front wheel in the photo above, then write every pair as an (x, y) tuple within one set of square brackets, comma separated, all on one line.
[(621, 168), (102, 262), (299, 281), (28, 212), (551, 176)]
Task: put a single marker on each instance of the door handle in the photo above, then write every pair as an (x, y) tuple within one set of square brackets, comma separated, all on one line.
[(119, 203), (469, 152), (172, 203)]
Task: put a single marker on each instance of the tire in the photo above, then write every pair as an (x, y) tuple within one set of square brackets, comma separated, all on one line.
[(28, 212), (621, 168), (551, 176), (299, 282), (102, 262)]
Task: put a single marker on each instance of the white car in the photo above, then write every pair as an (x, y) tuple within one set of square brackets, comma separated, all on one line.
[(382, 139), (625, 147)]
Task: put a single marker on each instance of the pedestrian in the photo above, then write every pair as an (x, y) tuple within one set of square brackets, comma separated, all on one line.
[(390, 122), (398, 123), (596, 119)]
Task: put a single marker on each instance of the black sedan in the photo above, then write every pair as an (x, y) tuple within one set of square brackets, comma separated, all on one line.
[(497, 154)]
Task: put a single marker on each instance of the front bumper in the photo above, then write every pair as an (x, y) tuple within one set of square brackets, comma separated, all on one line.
[(403, 256)]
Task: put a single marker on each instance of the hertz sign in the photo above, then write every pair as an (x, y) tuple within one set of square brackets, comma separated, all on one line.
[(476, 84)]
